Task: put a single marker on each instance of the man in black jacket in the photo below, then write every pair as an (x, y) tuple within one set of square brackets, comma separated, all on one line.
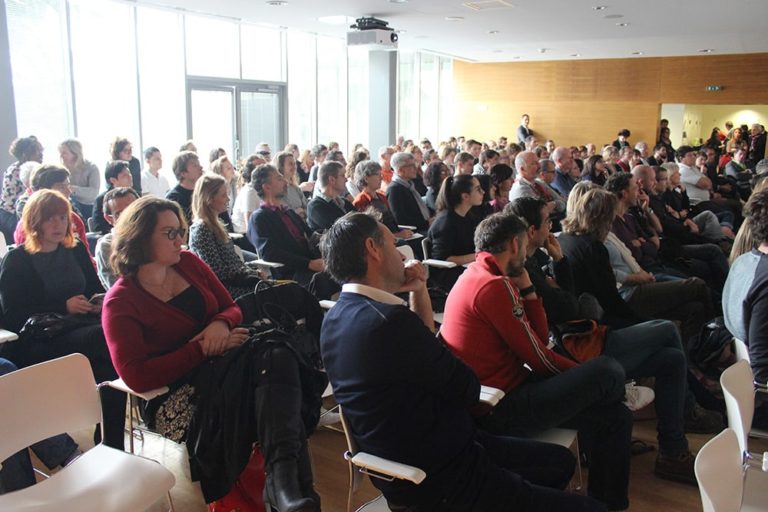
[(329, 203), (407, 398), (404, 201), (278, 233)]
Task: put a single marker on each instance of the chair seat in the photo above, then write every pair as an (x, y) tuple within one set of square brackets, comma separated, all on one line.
[(376, 505), (7, 336), (560, 436), (755, 490), (120, 385), (89, 484)]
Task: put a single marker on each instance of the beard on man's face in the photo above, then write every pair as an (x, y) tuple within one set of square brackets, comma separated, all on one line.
[(515, 268)]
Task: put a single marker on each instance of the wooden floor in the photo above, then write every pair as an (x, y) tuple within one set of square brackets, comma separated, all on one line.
[(647, 493)]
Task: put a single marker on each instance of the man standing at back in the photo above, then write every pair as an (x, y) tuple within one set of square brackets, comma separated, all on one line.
[(497, 325), (523, 132), (406, 398)]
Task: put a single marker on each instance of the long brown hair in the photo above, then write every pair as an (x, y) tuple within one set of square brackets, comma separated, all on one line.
[(205, 188)]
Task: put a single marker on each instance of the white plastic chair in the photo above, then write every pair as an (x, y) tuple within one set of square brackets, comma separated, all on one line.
[(741, 350), (738, 386), (60, 396), (132, 407), (723, 483)]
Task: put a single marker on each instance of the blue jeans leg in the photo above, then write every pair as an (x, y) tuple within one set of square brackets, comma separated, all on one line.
[(653, 349)]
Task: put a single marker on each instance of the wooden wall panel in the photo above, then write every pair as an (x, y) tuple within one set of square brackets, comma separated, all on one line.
[(574, 102)]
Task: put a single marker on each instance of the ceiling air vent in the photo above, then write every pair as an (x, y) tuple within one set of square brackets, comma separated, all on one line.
[(485, 5)]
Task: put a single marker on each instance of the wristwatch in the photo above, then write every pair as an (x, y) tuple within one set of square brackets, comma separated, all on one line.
[(527, 291)]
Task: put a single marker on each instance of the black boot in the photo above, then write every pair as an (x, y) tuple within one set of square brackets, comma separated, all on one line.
[(282, 491), (305, 474), (281, 433)]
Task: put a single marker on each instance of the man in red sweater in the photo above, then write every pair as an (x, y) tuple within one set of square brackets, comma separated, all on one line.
[(495, 322)]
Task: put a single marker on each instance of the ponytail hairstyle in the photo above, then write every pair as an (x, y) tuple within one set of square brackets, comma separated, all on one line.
[(452, 189)]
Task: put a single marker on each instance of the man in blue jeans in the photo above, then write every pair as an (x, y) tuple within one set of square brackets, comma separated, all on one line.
[(406, 398), (17, 472)]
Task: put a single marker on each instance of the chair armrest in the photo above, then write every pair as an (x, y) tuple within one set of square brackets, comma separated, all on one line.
[(490, 395), (327, 304), (6, 336), (120, 385), (403, 226), (438, 263), (263, 263), (377, 466)]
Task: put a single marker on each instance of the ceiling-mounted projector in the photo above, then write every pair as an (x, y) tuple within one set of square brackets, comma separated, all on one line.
[(372, 32)]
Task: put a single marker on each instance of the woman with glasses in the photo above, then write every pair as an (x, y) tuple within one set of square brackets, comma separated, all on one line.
[(170, 322), (209, 240), (51, 273), (453, 231)]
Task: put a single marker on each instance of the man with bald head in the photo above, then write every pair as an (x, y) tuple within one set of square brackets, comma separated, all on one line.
[(563, 182)]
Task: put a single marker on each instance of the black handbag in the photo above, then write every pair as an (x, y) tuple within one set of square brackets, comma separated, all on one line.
[(43, 326)]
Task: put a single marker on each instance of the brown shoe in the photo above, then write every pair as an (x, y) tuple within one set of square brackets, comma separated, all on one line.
[(676, 467)]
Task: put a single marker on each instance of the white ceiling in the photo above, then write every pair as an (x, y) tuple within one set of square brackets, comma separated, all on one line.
[(564, 27)]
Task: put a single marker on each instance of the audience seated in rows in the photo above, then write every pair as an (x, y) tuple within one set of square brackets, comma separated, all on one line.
[(406, 398), (189, 335)]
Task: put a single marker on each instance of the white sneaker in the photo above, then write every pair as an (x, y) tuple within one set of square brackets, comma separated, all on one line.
[(637, 397)]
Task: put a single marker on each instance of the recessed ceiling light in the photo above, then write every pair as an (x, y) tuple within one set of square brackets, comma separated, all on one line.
[(398, 1), (613, 16), (599, 7), (516, 57), (276, 3), (542, 50), (622, 24), (637, 53), (575, 55), (454, 18), (493, 32), (706, 50)]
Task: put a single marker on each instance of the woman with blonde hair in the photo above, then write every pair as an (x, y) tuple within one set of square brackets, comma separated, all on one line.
[(52, 273), (744, 241), (83, 176), (209, 240), (294, 197), (223, 167), (170, 322)]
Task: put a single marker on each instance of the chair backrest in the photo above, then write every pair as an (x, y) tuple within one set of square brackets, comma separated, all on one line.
[(739, 393), (406, 251), (3, 246), (46, 399), (720, 474), (426, 247), (355, 476), (741, 350), (91, 224)]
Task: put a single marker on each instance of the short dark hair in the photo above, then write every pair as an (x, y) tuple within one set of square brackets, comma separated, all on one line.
[(757, 213), (624, 132), (260, 176), (452, 189), (433, 174), (117, 193), (494, 233), (113, 170), (47, 176), (500, 173), (529, 209), (684, 150), (335, 156), (618, 183), (328, 169), (343, 246), (318, 148), (658, 147), (151, 150), (488, 154)]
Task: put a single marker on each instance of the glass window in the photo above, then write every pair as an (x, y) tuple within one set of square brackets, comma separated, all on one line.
[(331, 91), (428, 87), (39, 60), (260, 113), (161, 82), (358, 97), (212, 47), (263, 55), (302, 90), (213, 121), (408, 95), (446, 126), (104, 69)]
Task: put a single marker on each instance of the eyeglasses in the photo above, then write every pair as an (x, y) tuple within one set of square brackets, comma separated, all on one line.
[(172, 234)]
